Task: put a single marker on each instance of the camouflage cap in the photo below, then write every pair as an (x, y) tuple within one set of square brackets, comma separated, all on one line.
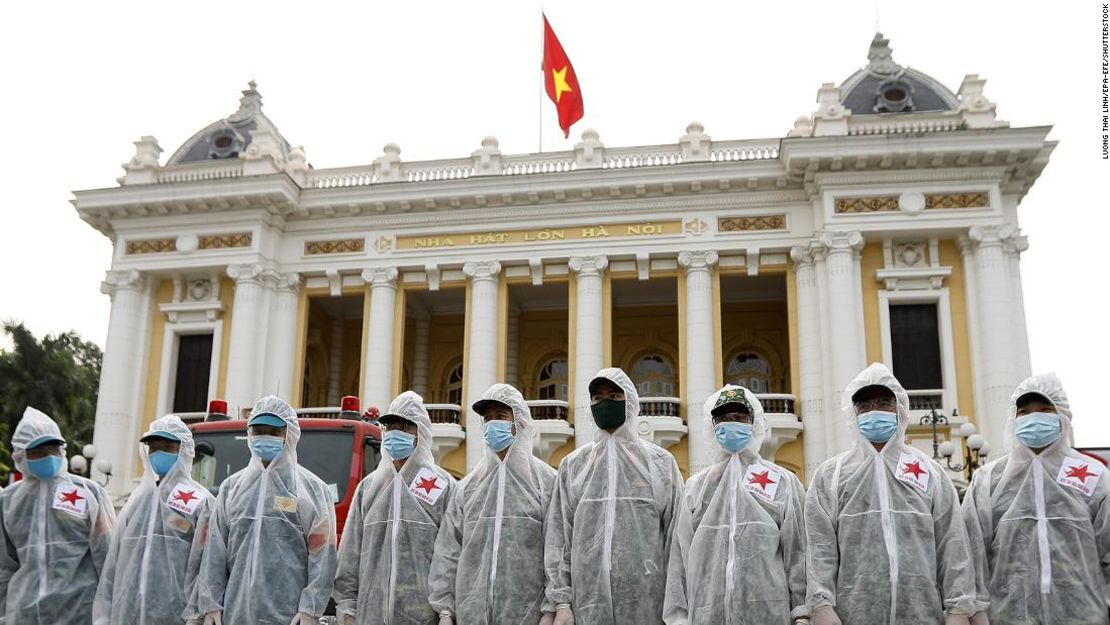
[(732, 396)]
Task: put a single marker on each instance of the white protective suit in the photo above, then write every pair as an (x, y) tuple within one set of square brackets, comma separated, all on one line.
[(609, 527), (488, 562), (390, 532), (738, 556), (1040, 527), (151, 556), (269, 552), (885, 538), (54, 536)]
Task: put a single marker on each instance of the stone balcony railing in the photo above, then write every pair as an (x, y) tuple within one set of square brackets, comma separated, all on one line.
[(660, 420), (447, 432), (549, 417)]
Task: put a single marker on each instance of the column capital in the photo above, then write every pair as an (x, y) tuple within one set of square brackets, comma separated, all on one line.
[(289, 282), (826, 242), (117, 280), (801, 256), (588, 265), (479, 270), (246, 273), (697, 260), (1008, 237), (379, 277)]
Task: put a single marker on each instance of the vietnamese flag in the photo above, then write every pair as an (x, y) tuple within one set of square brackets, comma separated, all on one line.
[(560, 81)]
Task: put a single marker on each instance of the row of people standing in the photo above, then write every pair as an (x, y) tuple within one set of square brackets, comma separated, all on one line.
[(614, 536)]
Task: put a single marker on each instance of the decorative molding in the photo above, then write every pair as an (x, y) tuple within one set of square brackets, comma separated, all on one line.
[(383, 244), (700, 260), (975, 199), (588, 265), (335, 246), (481, 269), (751, 223), (378, 277), (223, 241), (151, 246), (911, 202), (873, 204), (695, 226), (117, 280)]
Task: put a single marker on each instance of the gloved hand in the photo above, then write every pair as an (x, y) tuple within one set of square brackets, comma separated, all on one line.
[(980, 618), (825, 615), (304, 618), (215, 617), (348, 619), (956, 619), (563, 616), (446, 620), (548, 618)]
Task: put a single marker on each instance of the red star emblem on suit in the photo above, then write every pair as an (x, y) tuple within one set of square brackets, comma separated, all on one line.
[(427, 486), (71, 498), (186, 497), (762, 481), (913, 470), (1080, 475)]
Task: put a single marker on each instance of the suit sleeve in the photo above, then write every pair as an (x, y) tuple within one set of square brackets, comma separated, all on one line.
[(793, 535), (675, 601), (823, 552), (955, 568), (345, 592), (445, 559), (322, 558), (557, 541)]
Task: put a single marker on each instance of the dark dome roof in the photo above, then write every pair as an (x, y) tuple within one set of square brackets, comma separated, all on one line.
[(228, 137), (886, 87)]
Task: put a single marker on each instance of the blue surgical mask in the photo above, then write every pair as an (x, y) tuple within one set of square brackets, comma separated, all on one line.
[(498, 434), (46, 468), (399, 445), (1039, 429), (267, 447), (162, 462), (878, 426), (733, 436)]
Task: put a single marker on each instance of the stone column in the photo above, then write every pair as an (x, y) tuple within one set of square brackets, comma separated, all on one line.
[(378, 368), (588, 340), (243, 368), (847, 356), (335, 361), (421, 328), (282, 338), (118, 412), (699, 356), (1013, 248), (809, 360), (971, 299), (512, 348), (480, 369)]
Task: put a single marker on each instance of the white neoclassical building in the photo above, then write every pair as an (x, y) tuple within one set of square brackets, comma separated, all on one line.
[(882, 227)]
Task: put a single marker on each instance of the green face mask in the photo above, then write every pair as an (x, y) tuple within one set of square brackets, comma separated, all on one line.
[(608, 413)]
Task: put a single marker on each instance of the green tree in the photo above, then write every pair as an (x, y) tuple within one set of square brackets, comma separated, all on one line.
[(59, 375)]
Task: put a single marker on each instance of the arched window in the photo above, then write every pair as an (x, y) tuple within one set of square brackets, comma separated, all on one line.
[(455, 385), (750, 370), (552, 380), (654, 376)]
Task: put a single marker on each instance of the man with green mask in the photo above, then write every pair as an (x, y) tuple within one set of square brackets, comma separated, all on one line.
[(610, 521)]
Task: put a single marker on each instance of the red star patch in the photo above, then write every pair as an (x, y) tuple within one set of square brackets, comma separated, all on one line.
[(185, 496), (428, 485), (72, 497), (762, 479), (1080, 473), (915, 468)]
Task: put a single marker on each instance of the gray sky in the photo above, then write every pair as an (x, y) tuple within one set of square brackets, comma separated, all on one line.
[(81, 83)]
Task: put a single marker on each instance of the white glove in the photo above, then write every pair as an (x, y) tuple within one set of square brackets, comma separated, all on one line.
[(304, 618), (563, 616), (956, 619), (446, 620), (980, 618), (825, 615), (348, 619), (215, 617), (548, 618)]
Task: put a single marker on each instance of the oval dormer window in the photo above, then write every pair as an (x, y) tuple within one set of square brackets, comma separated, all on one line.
[(225, 144), (894, 96)]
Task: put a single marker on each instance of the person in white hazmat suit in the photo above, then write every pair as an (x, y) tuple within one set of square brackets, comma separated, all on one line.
[(151, 557), (885, 538), (738, 553), (55, 530), (269, 554), (612, 513), (488, 562), (1040, 520), (386, 551)]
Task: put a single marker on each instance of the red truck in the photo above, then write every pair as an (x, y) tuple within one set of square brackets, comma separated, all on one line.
[(339, 446)]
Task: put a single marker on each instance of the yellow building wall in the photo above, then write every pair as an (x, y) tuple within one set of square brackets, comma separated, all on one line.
[(445, 351), (542, 335), (639, 330), (871, 260), (762, 327), (961, 342), (163, 294), (227, 298)]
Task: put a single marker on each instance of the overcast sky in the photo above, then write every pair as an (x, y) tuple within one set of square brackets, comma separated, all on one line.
[(80, 83)]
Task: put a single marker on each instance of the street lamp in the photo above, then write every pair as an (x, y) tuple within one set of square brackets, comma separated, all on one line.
[(974, 457), (934, 419)]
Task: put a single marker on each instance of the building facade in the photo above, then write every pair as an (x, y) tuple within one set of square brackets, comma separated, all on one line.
[(882, 227)]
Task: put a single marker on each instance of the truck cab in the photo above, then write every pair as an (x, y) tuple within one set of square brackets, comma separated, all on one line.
[(340, 446)]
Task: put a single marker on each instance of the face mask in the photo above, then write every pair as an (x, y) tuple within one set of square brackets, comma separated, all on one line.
[(1039, 429), (733, 436), (162, 462), (399, 445), (46, 468), (498, 434), (267, 447), (608, 413), (878, 426)]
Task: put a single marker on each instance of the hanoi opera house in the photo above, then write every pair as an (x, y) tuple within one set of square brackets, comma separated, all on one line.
[(882, 227)]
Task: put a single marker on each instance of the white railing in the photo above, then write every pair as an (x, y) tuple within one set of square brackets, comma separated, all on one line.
[(777, 403), (547, 409), (660, 406), (522, 165), (359, 176), (214, 170), (926, 399), (881, 125), (724, 151), (191, 417), (444, 413), (651, 156), (425, 171)]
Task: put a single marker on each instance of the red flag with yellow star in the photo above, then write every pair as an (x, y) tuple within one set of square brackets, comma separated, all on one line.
[(560, 80)]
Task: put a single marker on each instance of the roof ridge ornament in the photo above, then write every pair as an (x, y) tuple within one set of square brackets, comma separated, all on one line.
[(250, 104), (881, 57)]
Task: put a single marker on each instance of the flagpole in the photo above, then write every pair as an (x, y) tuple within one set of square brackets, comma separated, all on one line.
[(543, 78)]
